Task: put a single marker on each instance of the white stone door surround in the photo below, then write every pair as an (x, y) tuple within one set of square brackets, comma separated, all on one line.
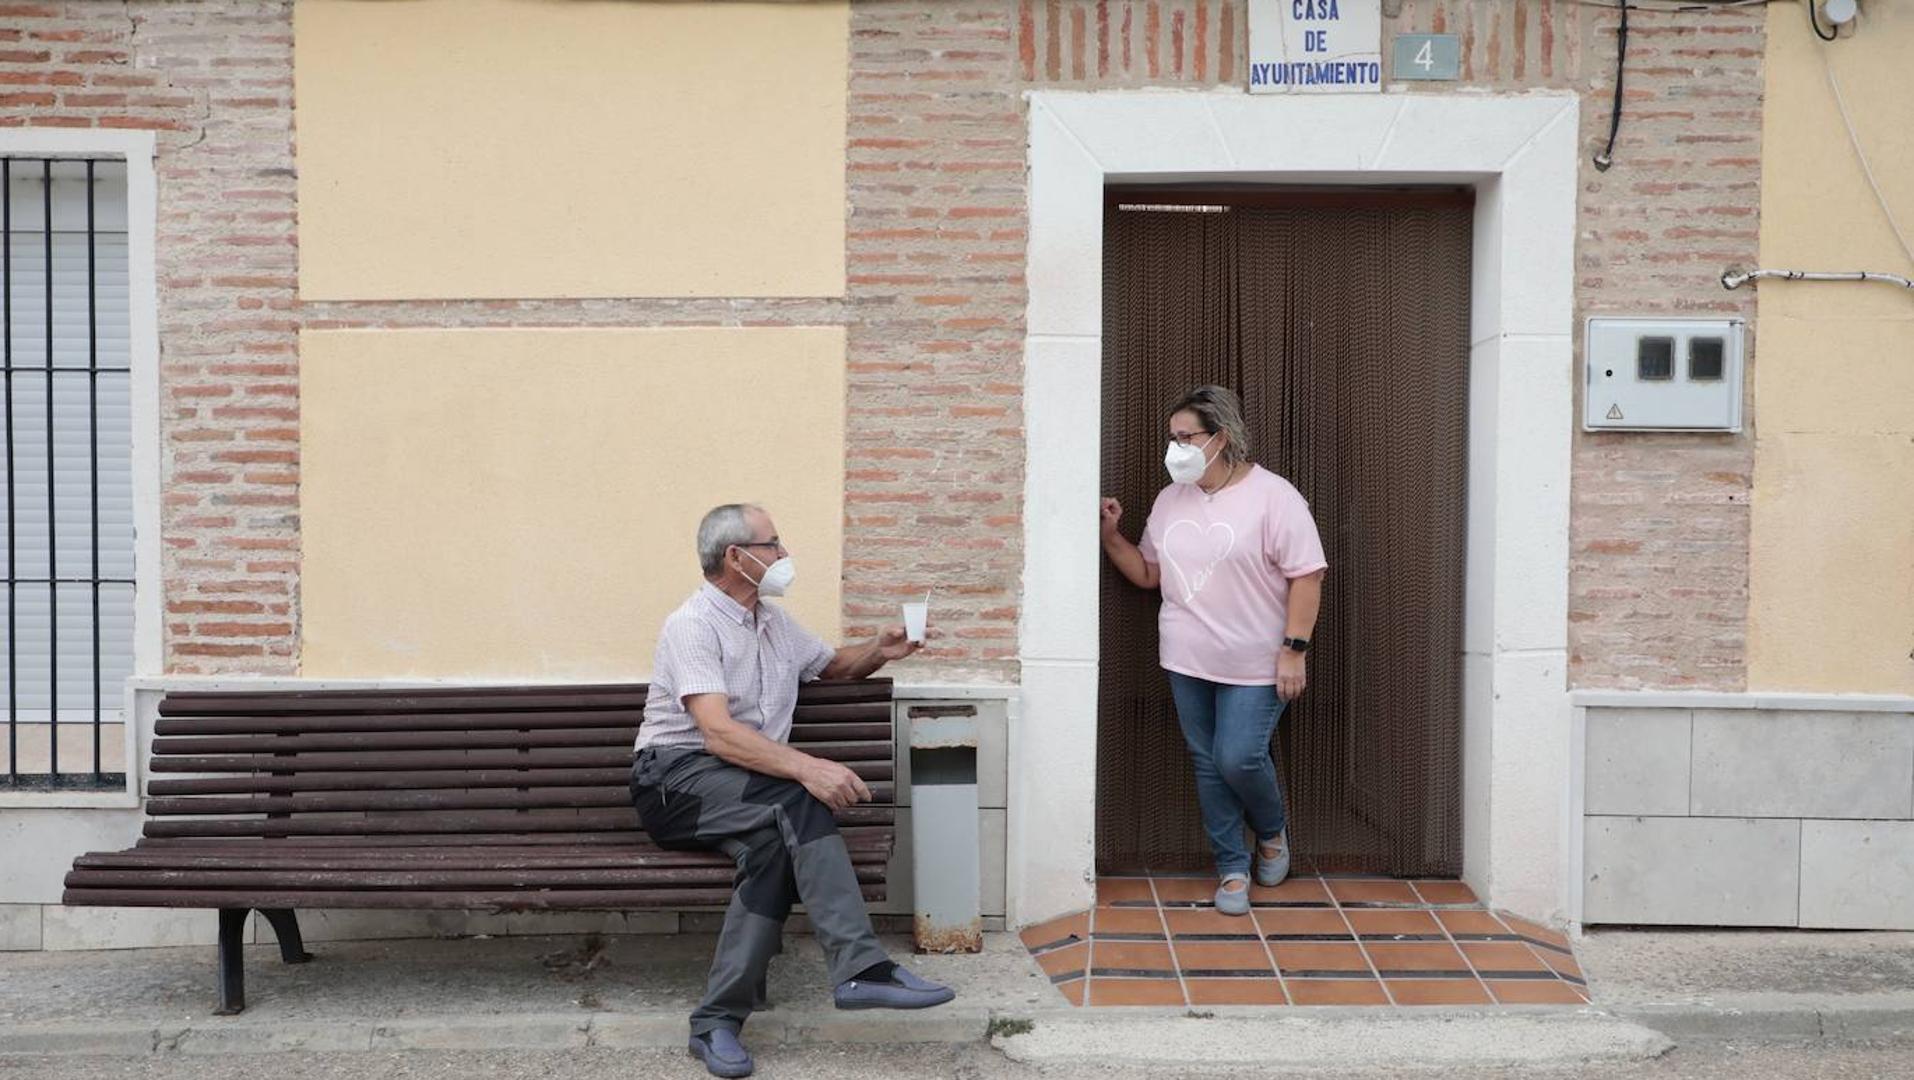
[(1519, 152)]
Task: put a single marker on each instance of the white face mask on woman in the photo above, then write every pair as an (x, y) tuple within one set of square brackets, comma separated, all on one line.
[(1186, 462), (777, 576)]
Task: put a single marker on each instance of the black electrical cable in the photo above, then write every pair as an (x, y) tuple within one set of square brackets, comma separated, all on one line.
[(1607, 157), (1815, 21)]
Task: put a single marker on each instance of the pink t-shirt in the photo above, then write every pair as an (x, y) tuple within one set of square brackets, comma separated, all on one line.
[(1226, 562)]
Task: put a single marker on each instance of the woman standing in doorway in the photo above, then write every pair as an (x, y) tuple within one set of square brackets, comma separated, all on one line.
[(1237, 556)]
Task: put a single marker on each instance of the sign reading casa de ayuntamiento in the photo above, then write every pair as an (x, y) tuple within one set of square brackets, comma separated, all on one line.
[(1315, 46)]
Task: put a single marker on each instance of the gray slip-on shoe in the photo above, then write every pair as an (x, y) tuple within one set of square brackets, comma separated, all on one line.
[(722, 1053), (1233, 901), (903, 991), (1271, 872)]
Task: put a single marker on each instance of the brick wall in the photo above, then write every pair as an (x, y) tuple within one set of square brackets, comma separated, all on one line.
[(214, 81), (935, 293)]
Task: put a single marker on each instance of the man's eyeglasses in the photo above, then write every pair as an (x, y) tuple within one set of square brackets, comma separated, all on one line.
[(779, 544), (1182, 438)]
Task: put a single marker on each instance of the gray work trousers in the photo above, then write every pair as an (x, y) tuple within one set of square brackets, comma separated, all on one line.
[(787, 848)]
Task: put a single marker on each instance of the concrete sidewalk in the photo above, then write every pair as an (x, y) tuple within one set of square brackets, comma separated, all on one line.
[(635, 991)]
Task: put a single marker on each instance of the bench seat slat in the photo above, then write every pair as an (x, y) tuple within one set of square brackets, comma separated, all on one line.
[(456, 699), (506, 900), (441, 823), (872, 717), (603, 877), (261, 783), (614, 839), (493, 798)]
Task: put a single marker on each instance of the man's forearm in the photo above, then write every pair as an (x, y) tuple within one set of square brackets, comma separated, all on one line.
[(855, 661), (742, 745)]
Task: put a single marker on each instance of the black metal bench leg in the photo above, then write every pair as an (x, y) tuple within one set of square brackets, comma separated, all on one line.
[(232, 961), (285, 927)]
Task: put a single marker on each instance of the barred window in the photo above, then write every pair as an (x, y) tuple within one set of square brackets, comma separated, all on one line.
[(68, 507)]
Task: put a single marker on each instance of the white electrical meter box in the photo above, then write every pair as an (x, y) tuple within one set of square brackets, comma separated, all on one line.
[(1663, 374)]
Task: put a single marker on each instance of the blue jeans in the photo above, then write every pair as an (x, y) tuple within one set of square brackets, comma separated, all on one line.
[(1228, 729)]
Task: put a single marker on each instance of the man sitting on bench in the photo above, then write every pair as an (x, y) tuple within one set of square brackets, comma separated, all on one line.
[(714, 772)]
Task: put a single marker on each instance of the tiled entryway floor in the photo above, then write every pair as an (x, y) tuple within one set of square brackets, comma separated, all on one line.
[(1330, 940)]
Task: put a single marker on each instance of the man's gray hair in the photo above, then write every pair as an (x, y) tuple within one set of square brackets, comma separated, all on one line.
[(722, 528), (1219, 409)]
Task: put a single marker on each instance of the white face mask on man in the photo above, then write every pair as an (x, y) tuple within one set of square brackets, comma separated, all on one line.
[(777, 577), (1186, 462)]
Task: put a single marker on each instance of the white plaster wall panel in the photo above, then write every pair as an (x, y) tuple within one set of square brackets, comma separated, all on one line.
[(540, 923), (1803, 764), (1485, 262), (1692, 871), (1053, 770), (1637, 761), (1529, 777), (1156, 127), (38, 847), (355, 924), (1066, 219), (1538, 237), (1283, 134), (1060, 498), (1478, 745), (1534, 402), (1429, 134), (131, 928), (1857, 875), (19, 927), (1478, 585)]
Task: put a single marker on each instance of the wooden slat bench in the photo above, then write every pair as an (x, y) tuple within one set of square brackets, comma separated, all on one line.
[(501, 799)]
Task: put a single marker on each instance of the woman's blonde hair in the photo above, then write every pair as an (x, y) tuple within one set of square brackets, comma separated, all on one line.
[(1220, 411)]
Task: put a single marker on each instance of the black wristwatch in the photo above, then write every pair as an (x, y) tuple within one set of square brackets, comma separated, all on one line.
[(1296, 644)]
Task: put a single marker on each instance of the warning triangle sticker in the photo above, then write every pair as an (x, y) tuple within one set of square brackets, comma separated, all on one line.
[(1615, 412)]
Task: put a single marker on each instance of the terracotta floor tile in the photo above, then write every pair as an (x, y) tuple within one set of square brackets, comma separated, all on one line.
[(1072, 991), (1559, 964), (1537, 931), (1069, 960), (1301, 922), (1113, 920), (1501, 956), (1336, 992), (1135, 992), (1184, 890), (1535, 992), (1218, 956), (1124, 891), (1056, 931), (1235, 992), (1438, 992), (1472, 923), (1414, 956), (1373, 892), (1315, 956), (1187, 921), (1389, 923), (1115, 956), (1297, 890), (1445, 892)]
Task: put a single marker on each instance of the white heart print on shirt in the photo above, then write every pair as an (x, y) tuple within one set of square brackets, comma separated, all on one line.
[(1213, 543)]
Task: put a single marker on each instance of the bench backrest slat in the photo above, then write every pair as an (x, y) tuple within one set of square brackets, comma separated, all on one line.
[(527, 762)]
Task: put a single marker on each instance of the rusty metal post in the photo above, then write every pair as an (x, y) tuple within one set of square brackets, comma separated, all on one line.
[(945, 858)]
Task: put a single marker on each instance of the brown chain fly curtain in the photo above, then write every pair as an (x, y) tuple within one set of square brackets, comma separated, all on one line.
[(1342, 318)]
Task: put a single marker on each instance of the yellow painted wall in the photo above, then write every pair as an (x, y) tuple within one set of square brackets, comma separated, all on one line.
[(1831, 574), (567, 148), (524, 503)]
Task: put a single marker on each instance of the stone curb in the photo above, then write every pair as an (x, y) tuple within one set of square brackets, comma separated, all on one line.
[(1681, 1022), (1834, 1021)]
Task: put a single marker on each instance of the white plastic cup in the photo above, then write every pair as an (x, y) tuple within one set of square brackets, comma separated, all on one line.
[(916, 616)]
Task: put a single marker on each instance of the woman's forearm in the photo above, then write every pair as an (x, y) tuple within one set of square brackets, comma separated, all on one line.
[(1129, 559), (1305, 601)]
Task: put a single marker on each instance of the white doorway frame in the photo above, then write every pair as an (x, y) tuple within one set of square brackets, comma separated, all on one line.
[(1519, 153)]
